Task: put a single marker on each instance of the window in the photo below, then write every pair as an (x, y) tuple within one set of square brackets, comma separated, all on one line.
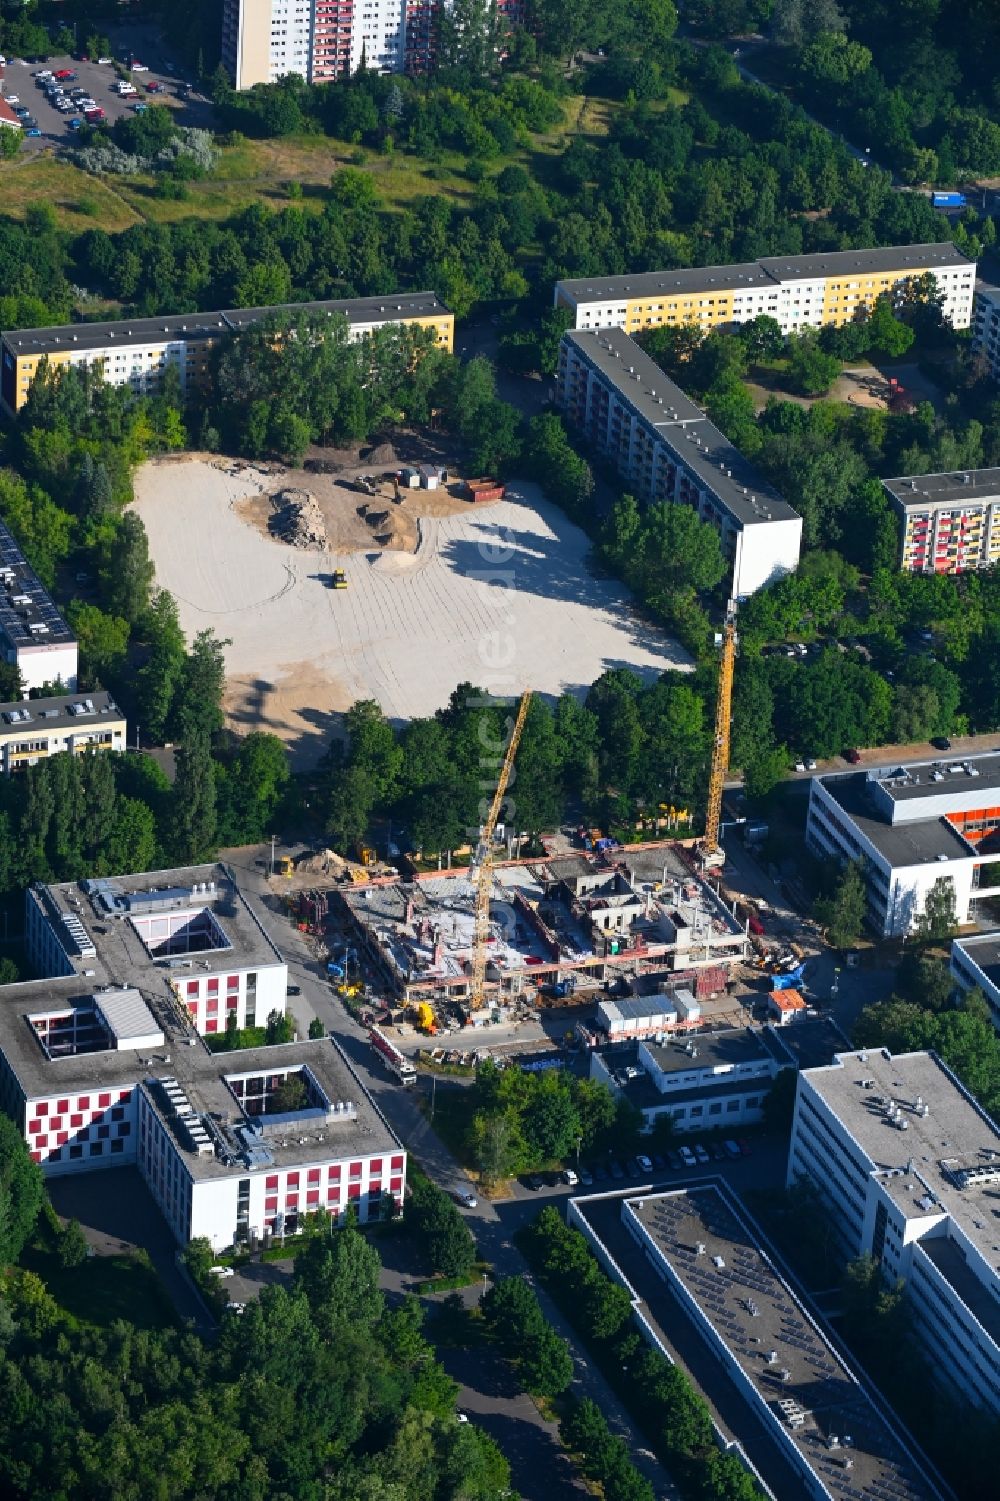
[(354, 1190), (292, 1181), (333, 1173), (213, 986), (212, 1025), (124, 1129), (118, 1113), (732, 1107), (76, 1120), (103, 1132), (76, 1151), (117, 1146), (355, 1169), (397, 1164), (312, 1196), (193, 987), (97, 1149), (83, 1103), (63, 1107), (104, 1100), (271, 1181), (715, 1109), (233, 982), (313, 1175), (42, 1109)]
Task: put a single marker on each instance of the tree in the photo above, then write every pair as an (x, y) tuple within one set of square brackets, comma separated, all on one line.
[(21, 1192), (8, 971), (939, 918), (545, 1364), (316, 1028), (887, 334), (194, 800), (130, 571), (811, 372), (72, 1245), (339, 1276), (278, 1028), (498, 1145), (197, 705), (289, 1096), (103, 638), (762, 337), (843, 913), (551, 1122), (443, 1234), (512, 1314)]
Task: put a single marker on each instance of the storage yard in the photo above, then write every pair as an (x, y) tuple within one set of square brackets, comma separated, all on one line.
[(498, 593)]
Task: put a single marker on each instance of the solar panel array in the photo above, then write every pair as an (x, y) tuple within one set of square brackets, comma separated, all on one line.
[(27, 614)]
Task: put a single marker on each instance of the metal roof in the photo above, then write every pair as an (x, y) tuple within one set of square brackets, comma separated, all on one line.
[(27, 615)]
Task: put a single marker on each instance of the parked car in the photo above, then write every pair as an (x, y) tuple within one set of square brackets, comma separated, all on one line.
[(800, 766), (141, 107), (222, 1271), (675, 1159), (853, 756), (659, 1161), (616, 1170), (687, 1157), (810, 764), (138, 67), (569, 1176), (941, 742), (63, 74), (153, 87), (600, 1173), (22, 113), (33, 130), (76, 123), (732, 1149), (293, 990), (717, 1150), (104, 61), (701, 1153), (534, 1182), (586, 1177), (746, 1150), (13, 98), (466, 1197), (645, 1163)]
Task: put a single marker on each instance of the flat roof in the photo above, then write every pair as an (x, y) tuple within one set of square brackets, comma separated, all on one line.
[(788, 1000), (811, 1398), (28, 616), (984, 952), (57, 713), (956, 487), (116, 955), (715, 1051), (768, 271), (681, 279), (922, 780), (699, 445), (909, 258), (911, 843), (213, 325), (924, 1159)]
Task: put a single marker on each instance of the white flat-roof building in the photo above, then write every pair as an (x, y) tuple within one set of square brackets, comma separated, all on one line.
[(986, 326), (32, 731), (105, 1064), (33, 635), (908, 1164), (829, 286), (666, 449), (975, 965), (911, 826), (803, 1420)]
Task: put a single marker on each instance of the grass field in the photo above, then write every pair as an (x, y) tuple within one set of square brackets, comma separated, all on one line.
[(277, 172), (103, 1288)]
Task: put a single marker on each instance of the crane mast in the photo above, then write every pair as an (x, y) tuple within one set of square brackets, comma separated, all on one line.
[(482, 872), (720, 747)]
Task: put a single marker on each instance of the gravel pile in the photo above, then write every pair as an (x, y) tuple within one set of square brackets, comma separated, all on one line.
[(298, 519)]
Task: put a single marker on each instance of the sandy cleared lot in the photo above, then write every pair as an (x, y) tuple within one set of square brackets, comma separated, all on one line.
[(498, 595)]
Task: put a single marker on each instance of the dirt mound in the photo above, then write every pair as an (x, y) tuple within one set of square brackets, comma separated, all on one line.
[(382, 454), (376, 518), (298, 520)]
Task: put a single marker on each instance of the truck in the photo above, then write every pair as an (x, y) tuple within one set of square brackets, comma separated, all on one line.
[(396, 1062), (948, 200)]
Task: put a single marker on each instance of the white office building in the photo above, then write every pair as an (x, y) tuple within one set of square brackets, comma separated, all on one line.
[(975, 965), (106, 1063), (33, 635), (911, 826), (666, 449), (908, 1165)]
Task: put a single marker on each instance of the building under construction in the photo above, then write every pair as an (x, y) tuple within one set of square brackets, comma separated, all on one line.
[(552, 923)]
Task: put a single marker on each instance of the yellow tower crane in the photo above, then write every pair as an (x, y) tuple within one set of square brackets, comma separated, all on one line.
[(482, 871), (711, 848)]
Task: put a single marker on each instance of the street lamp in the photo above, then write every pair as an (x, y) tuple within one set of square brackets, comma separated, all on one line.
[(274, 840)]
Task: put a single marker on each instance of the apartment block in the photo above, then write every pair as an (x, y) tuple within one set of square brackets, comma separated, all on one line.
[(799, 291), (105, 1063), (665, 448), (949, 523), (136, 351), (986, 326), (975, 965), (33, 635), (322, 40), (911, 826), (33, 730), (908, 1165)]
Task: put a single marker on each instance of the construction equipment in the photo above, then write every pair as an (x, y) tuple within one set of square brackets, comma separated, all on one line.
[(287, 865), (425, 1018), (481, 872), (338, 579), (711, 848), (395, 1061)]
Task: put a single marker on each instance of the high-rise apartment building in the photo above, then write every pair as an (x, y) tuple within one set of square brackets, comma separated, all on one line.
[(950, 523), (263, 40)]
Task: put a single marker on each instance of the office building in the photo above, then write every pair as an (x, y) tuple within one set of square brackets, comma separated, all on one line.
[(106, 1063), (908, 1165), (949, 523), (975, 965), (322, 40), (136, 351), (986, 326), (34, 637), (666, 449), (799, 291), (911, 826), (783, 1398), (33, 730)]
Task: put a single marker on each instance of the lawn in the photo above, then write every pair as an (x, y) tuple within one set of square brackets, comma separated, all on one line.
[(80, 200)]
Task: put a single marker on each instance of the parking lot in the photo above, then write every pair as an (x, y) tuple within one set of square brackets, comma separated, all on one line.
[(20, 83)]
